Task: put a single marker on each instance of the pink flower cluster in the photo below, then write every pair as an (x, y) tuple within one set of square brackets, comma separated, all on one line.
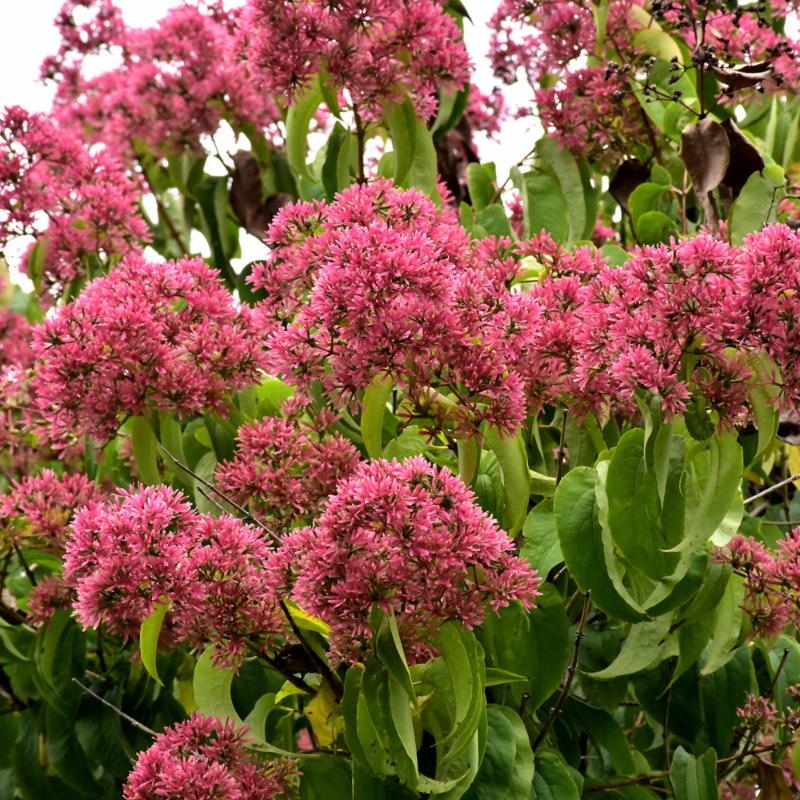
[(16, 334), (147, 546), (677, 321), (148, 336), (593, 113), (282, 472), (410, 538), (174, 82), (81, 207), (206, 759), (771, 580), (38, 508), (372, 51), (382, 282)]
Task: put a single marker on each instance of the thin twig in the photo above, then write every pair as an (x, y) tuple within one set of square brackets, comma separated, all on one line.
[(24, 563), (632, 780), (571, 669), (770, 489), (120, 712), (243, 511), (327, 673), (561, 443)]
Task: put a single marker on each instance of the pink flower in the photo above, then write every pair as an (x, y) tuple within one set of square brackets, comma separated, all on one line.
[(80, 205), (173, 83), (410, 538), (124, 556), (148, 336), (282, 472), (48, 596), (206, 759), (38, 508), (381, 282), (373, 51)]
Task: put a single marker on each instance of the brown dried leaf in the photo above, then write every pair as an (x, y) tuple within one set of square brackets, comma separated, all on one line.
[(744, 76), (772, 783), (629, 175), (253, 212), (706, 152), (744, 159)]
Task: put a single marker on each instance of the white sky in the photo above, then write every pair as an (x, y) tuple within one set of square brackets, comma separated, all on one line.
[(27, 35)]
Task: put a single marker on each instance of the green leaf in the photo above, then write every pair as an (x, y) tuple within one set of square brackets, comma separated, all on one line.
[(335, 179), (512, 455), (614, 254), (541, 546), (763, 394), (646, 197), (755, 206), (727, 625), (298, 121), (212, 688), (148, 639), (326, 777), (506, 772), (552, 779), (390, 711), (480, 182), (543, 203), (389, 650), (580, 535), (657, 43), (654, 227), (605, 731), (642, 527), (425, 164), (402, 123), (723, 692), (694, 778), (145, 450), (535, 644), (373, 410), (565, 168), (640, 649), (306, 621)]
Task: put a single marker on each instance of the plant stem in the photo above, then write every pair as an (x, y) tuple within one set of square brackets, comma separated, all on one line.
[(571, 670), (120, 712)]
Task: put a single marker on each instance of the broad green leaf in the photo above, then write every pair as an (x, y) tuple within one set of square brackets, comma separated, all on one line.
[(425, 164), (641, 649), (373, 410), (694, 778), (723, 692), (148, 639), (763, 395), (326, 777), (389, 650), (727, 625), (614, 254), (543, 203), (212, 688), (506, 772), (654, 227), (642, 527), (334, 177), (605, 731), (402, 123), (657, 43), (323, 713), (145, 450), (541, 546), (480, 181), (580, 534), (536, 644), (565, 169), (755, 206), (512, 455), (646, 197), (552, 779), (298, 121)]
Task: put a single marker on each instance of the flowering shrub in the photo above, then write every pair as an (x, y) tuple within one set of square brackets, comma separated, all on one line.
[(473, 486)]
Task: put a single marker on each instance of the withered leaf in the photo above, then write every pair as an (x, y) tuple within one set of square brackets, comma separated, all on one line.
[(629, 175), (744, 158), (706, 153), (743, 76), (254, 211), (772, 783)]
